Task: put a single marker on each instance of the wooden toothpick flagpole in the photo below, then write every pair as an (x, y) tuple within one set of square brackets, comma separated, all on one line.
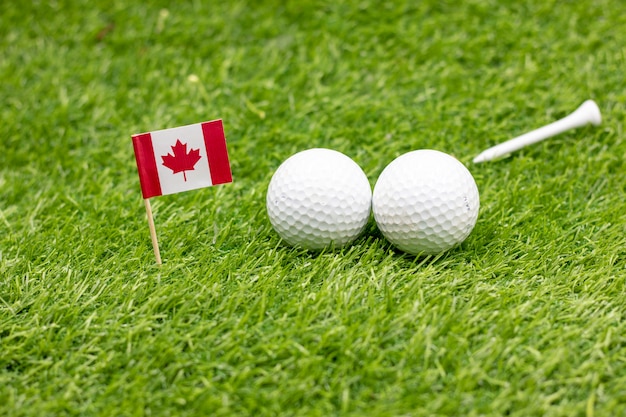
[(153, 235)]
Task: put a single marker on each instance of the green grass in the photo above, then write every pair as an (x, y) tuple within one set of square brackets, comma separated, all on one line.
[(526, 318)]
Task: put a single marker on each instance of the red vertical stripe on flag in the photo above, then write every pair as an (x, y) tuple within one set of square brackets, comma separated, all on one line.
[(215, 143), (146, 165)]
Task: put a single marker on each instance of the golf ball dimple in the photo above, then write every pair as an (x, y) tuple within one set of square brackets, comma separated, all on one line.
[(317, 198), (425, 202)]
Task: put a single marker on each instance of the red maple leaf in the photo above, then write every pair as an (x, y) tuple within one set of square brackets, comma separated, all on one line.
[(181, 161)]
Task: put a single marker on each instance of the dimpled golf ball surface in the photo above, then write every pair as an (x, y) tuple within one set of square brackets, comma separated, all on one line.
[(319, 197), (425, 202)]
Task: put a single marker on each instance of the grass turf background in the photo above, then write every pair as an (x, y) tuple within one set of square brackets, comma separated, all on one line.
[(525, 318)]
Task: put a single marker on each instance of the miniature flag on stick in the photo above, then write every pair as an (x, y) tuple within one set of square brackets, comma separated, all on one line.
[(180, 159)]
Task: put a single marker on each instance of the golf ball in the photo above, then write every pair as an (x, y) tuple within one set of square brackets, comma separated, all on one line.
[(319, 197), (425, 202)]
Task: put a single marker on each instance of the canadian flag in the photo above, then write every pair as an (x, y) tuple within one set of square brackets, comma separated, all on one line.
[(182, 158)]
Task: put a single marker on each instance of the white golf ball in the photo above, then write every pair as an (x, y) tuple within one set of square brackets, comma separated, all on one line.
[(319, 197), (425, 202)]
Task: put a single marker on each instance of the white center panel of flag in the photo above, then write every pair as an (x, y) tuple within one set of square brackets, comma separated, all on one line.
[(163, 142)]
